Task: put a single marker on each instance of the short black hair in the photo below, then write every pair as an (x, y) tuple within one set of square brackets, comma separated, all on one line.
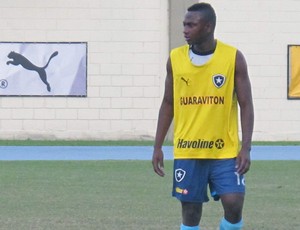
[(206, 9)]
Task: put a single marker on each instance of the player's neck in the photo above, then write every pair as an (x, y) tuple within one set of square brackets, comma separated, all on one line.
[(205, 48)]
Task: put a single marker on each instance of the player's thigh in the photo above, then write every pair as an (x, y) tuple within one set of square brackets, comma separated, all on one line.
[(190, 180), (224, 179)]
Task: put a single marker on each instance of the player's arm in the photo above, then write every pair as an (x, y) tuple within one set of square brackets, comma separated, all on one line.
[(244, 96), (165, 118)]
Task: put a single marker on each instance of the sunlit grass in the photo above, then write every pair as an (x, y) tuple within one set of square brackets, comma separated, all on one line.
[(127, 195)]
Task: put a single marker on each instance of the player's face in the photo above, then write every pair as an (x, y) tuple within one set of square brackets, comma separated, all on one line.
[(196, 29)]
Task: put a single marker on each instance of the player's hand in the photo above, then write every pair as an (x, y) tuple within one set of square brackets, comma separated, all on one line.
[(243, 161), (158, 162)]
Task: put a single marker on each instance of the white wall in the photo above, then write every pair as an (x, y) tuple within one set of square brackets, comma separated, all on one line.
[(127, 42), (127, 52)]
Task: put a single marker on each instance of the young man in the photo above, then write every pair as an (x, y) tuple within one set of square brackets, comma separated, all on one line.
[(206, 80)]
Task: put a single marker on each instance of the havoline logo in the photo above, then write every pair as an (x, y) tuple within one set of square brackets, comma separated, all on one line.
[(200, 144)]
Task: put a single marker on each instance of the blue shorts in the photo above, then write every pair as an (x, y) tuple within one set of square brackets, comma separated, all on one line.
[(193, 177)]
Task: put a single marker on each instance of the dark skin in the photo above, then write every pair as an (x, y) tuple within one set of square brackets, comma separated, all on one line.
[(200, 33)]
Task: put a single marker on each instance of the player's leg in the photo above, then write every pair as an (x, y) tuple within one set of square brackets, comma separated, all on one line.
[(190, 188), (227, 184), (233, 207), (191, 215)]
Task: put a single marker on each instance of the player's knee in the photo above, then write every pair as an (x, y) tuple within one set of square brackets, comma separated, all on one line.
[(191, 213), (233, 205), (233, 216)]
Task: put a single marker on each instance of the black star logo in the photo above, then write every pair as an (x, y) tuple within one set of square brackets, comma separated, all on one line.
[(219, 144)]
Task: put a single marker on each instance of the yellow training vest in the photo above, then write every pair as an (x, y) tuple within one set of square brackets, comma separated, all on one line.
[(205, 105)]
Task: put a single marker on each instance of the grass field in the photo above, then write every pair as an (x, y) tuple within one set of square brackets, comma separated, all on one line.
[(127, 195)]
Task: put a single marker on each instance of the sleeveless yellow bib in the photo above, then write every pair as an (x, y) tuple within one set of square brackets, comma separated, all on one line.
[(205, 105)]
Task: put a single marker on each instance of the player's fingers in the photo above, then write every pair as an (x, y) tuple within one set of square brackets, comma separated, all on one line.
[(158, 162), (237, 163), (160, 170), (243, 166), (158, 166), (161, 164), (247, 166)]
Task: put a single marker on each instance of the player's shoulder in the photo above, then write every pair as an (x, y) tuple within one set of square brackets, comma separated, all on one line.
[(180, 49), (227, 46)]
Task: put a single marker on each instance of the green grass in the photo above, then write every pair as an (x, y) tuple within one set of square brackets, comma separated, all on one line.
[(273, 195), (127, 195)]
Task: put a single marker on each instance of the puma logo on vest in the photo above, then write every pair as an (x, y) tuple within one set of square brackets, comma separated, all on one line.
[(187, 82), (18, 59)]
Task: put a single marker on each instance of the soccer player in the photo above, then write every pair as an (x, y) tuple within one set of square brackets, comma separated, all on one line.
[(206, 81)]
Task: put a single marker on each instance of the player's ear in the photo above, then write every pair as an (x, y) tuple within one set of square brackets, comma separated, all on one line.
[(209, 27)]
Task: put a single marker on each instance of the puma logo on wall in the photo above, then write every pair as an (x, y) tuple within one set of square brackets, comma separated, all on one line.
[(18, 59)]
